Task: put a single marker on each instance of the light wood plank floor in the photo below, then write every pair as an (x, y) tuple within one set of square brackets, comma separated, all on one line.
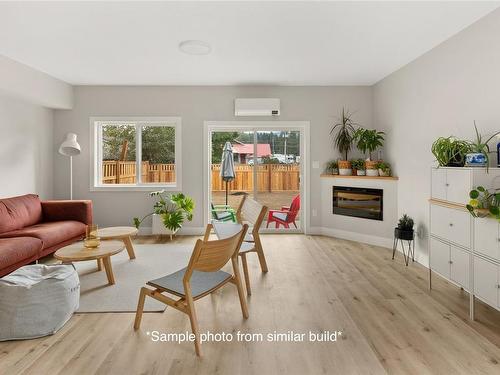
[(391, 323)]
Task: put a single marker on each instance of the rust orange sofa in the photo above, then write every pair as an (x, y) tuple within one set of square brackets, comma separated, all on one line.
[(31, 228)]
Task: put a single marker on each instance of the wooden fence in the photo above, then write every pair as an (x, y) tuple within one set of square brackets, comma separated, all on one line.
[(270, 177)]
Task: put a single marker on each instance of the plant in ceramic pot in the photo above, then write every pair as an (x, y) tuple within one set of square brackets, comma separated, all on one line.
[(404, 230), (343, 132), (480, 150), (169, 211), (367, 141), (332, 167), (384, 169), (450, 151), (358, 165)]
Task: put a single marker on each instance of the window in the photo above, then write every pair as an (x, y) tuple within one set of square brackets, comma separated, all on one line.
[(136, 153)]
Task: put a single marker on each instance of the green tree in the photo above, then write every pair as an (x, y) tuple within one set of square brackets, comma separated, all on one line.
[(113, 137), (219, 139), (158, 144)]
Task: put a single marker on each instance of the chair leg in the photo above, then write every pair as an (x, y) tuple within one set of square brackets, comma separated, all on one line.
[(295, 225), (277, 225), (260, 253), (268, 222), (287, 226), (239, 286), (245, 272), (140, 308), (194, 324)]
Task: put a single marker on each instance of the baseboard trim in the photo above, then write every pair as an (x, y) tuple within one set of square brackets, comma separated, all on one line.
[(353, 236), (184, 231)]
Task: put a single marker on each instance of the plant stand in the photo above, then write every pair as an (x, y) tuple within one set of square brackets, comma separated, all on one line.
[(402, 237)]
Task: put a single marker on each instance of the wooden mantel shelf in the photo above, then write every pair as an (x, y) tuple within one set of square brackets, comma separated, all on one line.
[(360, 177)]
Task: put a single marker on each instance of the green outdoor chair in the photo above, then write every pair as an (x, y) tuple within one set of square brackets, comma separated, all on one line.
[(222, 212)]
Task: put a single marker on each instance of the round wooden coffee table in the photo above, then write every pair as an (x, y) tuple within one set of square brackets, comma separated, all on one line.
[(120, 233), (77, 252)]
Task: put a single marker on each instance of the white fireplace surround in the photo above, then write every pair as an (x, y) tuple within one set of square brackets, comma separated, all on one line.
[(373, 232)]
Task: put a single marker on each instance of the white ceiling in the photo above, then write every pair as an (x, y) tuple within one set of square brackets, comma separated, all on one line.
[(279, 43)]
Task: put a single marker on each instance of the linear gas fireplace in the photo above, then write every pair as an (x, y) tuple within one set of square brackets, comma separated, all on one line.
[(358, 202)]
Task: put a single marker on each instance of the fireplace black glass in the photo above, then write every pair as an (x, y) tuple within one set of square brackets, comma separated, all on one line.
[(358, 202)]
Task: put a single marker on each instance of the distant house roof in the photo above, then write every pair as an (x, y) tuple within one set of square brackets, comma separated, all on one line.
[(263, 149)]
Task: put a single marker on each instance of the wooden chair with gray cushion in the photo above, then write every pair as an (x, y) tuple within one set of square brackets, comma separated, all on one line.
[(200, 278), (252, 213)]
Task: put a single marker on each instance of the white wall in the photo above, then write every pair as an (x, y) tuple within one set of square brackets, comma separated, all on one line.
[(23, 82), (26, 148), (319, 105), (439, 94)]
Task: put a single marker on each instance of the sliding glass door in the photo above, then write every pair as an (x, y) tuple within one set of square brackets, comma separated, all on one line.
[(267, 165)]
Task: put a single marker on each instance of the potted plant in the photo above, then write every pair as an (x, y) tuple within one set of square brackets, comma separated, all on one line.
[(384, 169), (367, 141), (404, 230), (479, 151), (358, 165), (484, 203), (169, 212), (332, 167), (450, 151), (344, 132)]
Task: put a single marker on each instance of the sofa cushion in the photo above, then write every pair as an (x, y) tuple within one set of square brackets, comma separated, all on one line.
[(14, 250), (19, 212), (51, 233)]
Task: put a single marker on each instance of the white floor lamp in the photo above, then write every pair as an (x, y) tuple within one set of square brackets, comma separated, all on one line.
[(70, 147)]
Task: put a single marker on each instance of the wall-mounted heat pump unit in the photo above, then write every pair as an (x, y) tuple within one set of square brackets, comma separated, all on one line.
[(256, 107)]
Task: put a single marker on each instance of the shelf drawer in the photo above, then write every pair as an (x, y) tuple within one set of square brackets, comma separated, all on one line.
[(486, 237), (440, 257), (486, 281), (451, 225)]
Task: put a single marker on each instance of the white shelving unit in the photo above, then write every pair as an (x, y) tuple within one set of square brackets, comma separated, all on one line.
[(462, 249)]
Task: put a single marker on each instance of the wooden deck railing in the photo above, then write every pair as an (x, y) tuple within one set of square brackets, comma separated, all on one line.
[(270, 177)]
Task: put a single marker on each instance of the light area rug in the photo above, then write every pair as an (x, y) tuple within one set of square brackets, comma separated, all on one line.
[(152, 261)]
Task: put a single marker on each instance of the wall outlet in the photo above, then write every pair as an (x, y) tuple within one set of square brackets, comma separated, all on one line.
[(314, 212), (315, 164)]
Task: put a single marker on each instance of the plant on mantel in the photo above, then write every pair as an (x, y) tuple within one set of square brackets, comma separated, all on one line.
[(367, 141), (332, 167), (343, 139), (359, 166)]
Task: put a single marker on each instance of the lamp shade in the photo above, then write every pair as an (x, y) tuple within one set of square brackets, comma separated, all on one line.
[(70, 147)]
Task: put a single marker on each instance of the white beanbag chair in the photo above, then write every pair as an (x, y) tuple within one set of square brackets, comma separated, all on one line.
[(37, 300)]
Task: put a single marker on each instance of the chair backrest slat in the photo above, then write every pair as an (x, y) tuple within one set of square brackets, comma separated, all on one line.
[(211, 256), (253, 212)]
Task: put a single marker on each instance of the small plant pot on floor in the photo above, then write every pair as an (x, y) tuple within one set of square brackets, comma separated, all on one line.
[(405, 235)]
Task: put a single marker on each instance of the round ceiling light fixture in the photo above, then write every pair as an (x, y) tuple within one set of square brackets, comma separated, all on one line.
[(195, 47)]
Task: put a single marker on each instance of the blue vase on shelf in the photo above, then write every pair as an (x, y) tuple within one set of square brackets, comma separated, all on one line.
[(475, 159)]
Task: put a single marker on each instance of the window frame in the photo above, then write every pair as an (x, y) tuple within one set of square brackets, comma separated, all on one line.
[(96, 150)]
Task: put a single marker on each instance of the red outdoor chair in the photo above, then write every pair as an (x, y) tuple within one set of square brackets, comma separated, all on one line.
[(286, 215)]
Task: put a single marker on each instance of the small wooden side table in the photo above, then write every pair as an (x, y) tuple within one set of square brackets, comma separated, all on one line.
[(77, 252), (120, 233)]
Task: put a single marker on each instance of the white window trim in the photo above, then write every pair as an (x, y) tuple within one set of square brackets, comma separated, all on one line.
[(96, 150)]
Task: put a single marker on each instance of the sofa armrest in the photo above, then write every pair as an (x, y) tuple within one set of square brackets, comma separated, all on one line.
[(67, 210)]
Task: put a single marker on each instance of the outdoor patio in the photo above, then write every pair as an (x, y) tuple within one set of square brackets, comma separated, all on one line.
[(273, 200)]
